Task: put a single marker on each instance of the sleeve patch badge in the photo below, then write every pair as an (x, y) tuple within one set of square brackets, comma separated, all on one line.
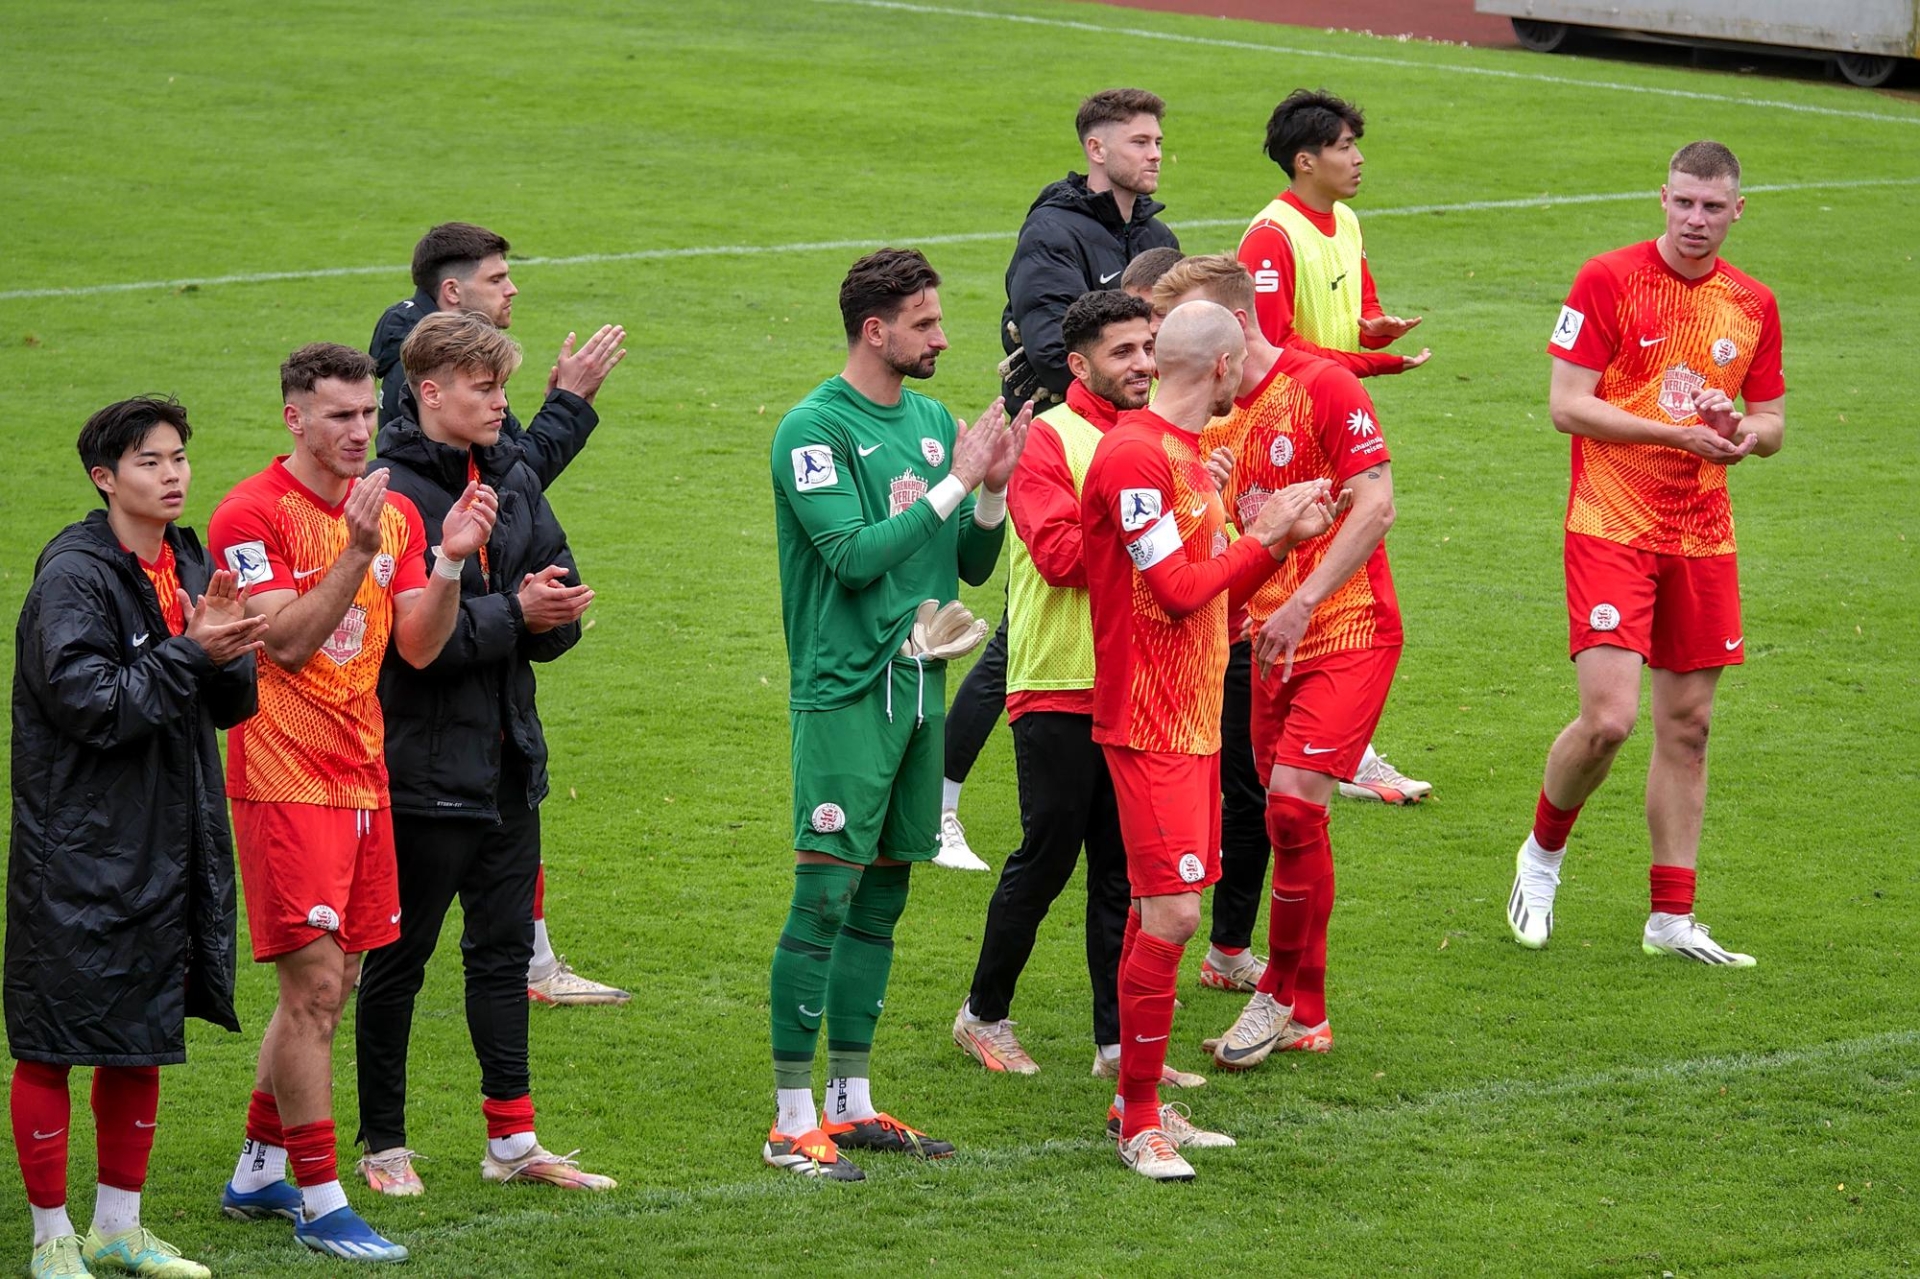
[(813, 468), (248, 560), (1567, 331), (1138, 508)]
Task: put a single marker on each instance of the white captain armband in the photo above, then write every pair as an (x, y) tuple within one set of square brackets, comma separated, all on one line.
[(1161, 540)]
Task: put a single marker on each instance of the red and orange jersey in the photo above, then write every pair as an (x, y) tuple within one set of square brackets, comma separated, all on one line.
[(164, 576), (1312, 420), (1148, 501), (1655, 338), (319, 737)]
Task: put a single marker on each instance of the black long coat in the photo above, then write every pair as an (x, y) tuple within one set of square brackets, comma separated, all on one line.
[(120, 904)]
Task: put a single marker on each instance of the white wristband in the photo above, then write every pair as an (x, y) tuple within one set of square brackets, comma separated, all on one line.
[(946, 496), (446, 567), (990, 508)]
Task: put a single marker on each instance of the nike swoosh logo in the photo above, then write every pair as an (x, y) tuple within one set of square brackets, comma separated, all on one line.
[(1148, 1039), (1735, 643), (47, 1136), (140, 639), (866, 452), (1291, 901), (302, 574), (1324, 750), (394, 918), (806, 1011), (1105, 278), (1198, 511), (1653, 341), (1226, 1053), (141, 1123)]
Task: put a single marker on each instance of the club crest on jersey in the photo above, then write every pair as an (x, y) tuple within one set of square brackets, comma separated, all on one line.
[(1282, 451), (383, 569), (345, 643), (828, 818), (325, 918), (905, 489), (1723, 352), (1604, 617), (1138, 508), (248, 560), (932, 450), (1191, 869), (813, 468), (1677, 387), (1248, 507)]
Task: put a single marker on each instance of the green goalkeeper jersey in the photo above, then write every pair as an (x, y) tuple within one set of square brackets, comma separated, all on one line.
[(859, 547)]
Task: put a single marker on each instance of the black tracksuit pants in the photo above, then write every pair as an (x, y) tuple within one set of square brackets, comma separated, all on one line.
[(1243, 811), (491, 867), (1066, 802), (977, 705)]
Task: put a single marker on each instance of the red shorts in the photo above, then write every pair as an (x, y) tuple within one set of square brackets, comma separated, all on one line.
[(309, 870), (1680, 613), (1322, 719), (1169, 818)]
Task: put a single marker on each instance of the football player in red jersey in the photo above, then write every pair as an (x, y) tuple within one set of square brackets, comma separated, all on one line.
[(1161, 579), (1654, 345)]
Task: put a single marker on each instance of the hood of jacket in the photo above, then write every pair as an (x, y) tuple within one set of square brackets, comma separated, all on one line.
[(94, 536), (1071, 194)]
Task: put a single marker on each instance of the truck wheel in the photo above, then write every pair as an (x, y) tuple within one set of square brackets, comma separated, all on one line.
[(1868, 70), (1541, 37)]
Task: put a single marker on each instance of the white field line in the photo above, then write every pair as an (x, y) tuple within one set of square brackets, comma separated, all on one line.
[(399, 271), (1386, 1117), (1372, 59)]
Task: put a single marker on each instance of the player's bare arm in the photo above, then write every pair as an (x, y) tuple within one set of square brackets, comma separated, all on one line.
[(422, 619), (1763, 422), (1390, 327), (219, 622), (548, 603), (1371, 515), (581, 372), (300, 624), (1577, 410)]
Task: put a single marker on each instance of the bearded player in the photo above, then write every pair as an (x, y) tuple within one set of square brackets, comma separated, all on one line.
[(1326, 639), (338, 567), (1653, 346), (874, 516), (1314, 292), (1161, 579)]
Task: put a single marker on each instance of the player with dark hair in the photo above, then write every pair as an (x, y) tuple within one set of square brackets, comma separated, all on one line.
[(876, 523), (1161, 577), (1066, 797), (1314, 292), (1655, 343), (458, 266), (467, 759), (339, 568), (1079, 236), (132, 652), (1327, 638)]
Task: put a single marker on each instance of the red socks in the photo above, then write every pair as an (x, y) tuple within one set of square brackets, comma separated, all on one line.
[(540, 892), (1148, 978), (310, 1152), (263, 1121), (1671, 888), (505, 1118), (1302, 904), (1551, 825), (41, 1111), (1127, 938), (126, 1105)]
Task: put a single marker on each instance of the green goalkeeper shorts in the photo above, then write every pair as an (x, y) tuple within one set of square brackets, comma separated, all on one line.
[(866, 777)]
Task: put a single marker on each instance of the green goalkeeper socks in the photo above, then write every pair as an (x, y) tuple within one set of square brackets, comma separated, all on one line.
[(823, 892), (862, 961)]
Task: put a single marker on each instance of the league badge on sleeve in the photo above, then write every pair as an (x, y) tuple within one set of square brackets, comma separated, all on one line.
[(248, 560), (1567, 331), (1138, 508), (813, 468)]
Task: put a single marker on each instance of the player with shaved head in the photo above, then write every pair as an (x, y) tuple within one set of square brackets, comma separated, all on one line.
[(1161, 578)]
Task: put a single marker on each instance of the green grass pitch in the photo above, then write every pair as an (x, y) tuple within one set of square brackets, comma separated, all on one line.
[(1585, 1110)]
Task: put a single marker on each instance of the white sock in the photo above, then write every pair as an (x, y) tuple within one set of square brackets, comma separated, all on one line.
[(950, 793), (1371, 757), (115, 1210), (543, 961), (1543, 858), (1120, 1103), (513, 1147), (260, 1166), (848, 1100), (318, 1201), (50, 1223), (1109, 1053), (797, 1114)]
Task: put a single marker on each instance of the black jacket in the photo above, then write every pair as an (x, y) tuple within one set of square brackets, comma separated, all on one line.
[(559, 431), (120, 878), (1073, 241), (447, 724)]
